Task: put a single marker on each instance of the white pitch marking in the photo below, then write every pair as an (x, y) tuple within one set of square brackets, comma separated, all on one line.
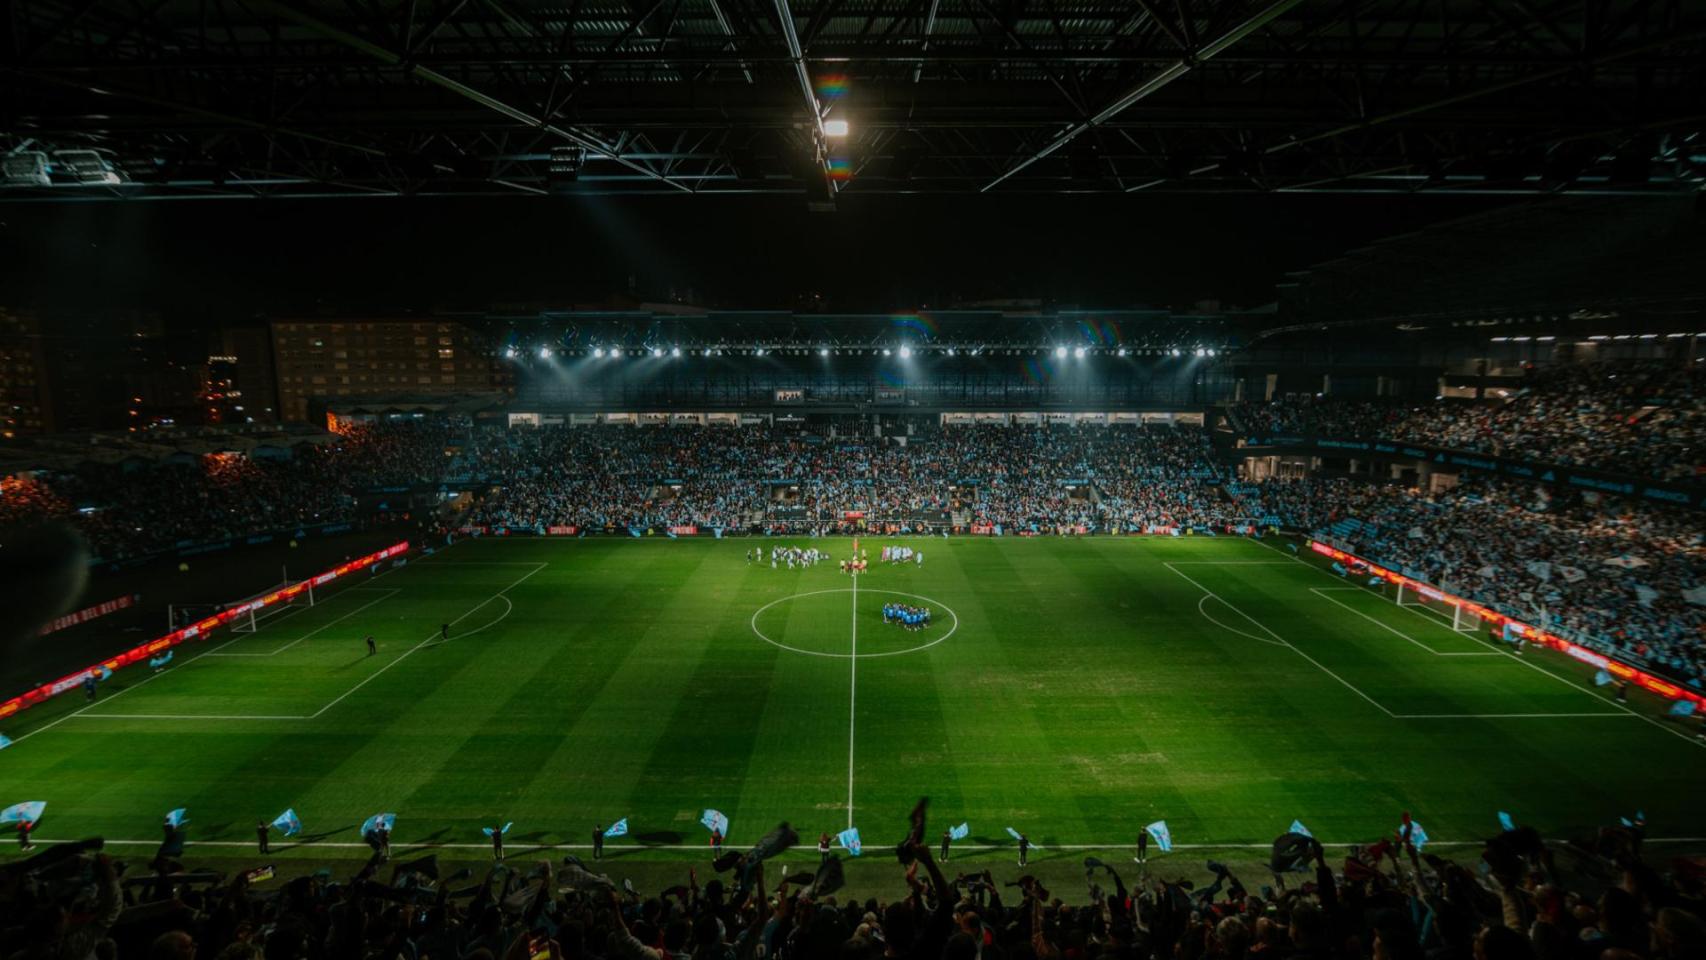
[(1323, 594), (389, 593), (853, 695)]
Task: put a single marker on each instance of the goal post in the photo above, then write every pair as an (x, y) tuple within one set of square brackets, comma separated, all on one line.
[(1450, 613), (252, 620)]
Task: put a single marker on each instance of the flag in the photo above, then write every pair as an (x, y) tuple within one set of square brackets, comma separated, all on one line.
[(1298, 827), (1682, 708), (288, 823), (1695, 595), (1602, 678), (849, 839), (1374, 582), (178, 817), (1540, 568), (714, 820), (617, 829), (960, 832), (1292, 547), (27, 812), (1339, 568), (378, 821), (1645, 595), (1163, 836), (1506, 822), (488, 831), (5, 741), (830, 877)]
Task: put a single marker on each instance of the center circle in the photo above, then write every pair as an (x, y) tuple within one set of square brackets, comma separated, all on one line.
[(818, 618)]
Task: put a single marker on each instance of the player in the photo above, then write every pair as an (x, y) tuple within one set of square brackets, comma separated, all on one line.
[(716, 843), (1142, 847), (498, 843), (598, 841), (372, 648), (1024, 848), (947, 839), (262, 833), (822, 847), (89, 686), (443, 632), (24, 828), (918, 558)]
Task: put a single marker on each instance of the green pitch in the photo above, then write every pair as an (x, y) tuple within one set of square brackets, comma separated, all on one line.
[(1072, 689)]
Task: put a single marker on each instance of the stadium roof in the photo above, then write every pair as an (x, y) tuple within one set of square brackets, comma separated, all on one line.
[(186, 99)]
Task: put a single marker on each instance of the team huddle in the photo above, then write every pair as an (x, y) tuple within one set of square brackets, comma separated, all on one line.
[(905, 616), (903, 555), (792, 557)]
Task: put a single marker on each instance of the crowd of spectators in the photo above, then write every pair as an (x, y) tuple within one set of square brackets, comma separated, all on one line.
[(1637, 417), (1520, 899), (1622, 577)]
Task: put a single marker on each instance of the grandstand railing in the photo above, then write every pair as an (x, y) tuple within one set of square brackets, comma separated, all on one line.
[(1533, 634), (200, 628)]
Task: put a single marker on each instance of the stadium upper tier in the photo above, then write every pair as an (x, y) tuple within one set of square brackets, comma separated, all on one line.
[(1627, 417)]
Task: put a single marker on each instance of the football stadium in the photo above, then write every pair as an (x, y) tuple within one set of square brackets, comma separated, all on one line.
[(732, 479)]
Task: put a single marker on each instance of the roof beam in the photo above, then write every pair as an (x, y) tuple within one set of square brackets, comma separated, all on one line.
[(586, 141), (1168, 74)]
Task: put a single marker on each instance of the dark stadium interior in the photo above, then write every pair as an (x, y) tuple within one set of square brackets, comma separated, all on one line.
[(1405, 298)]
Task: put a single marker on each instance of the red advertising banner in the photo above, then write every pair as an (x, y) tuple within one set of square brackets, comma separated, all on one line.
[(1534, 635), (983, 529), (198, 629), (684, 531), (88, 613), (562, 531)]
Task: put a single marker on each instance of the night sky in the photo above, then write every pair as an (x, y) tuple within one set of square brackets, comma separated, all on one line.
[(212, 262)]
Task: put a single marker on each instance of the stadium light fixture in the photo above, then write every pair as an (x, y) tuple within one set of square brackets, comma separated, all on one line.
[(544, 353), (823, 351), (1078, 353), (509, 353), (1060, 352), (1120, 351), (906, 353), (657, 351), (835, 128), (950, 351), (887, 352), (675, 351), (598, 352), (1211, 351)]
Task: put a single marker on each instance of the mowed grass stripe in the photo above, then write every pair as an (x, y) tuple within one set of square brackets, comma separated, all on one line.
[(1084, 695)]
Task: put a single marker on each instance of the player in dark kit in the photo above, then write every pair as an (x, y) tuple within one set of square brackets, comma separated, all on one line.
[(716, 843), (444, 631), (947, 838), (24, 828), (497, 843), (261, 833), (598, 842), (1142, 847), (372, 648), (1024, 848)]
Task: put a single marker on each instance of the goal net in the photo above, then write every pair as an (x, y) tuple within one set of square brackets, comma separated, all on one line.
[(1449, 612), (184, 614)]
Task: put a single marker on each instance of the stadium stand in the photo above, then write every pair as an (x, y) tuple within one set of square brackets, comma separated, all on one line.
[(1635, 417)]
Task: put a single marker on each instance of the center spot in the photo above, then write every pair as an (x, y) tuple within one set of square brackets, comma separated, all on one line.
[(821, 623)]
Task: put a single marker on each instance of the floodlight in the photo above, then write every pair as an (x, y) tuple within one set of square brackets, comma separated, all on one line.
[(1121, 351), (1060, 351), (950, 351), (1211, 351), (544, 353), (509, 353), (657, 351), (598, 352), (905, 353), (675, 351), (1078, 353), (835, 128), (886, 351), (823, 351)]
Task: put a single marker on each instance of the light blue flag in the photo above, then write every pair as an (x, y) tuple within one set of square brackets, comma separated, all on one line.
[(288, 823), (488, 831), (377, 821), (1298, 827), (617, 829), (1339, 568), (850, 839), (671, 533), (1602, 678), (1682, 708), (1506, 821), (1418, 836), (714, 820), (5, 741), (1163, 836), (960, 832), (1374, 581), (1292, 547), (178, 817), (27, 812)]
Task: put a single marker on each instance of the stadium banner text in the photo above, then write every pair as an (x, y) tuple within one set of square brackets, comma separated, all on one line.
[(88, 613), (1534, 635), (198, 629)]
